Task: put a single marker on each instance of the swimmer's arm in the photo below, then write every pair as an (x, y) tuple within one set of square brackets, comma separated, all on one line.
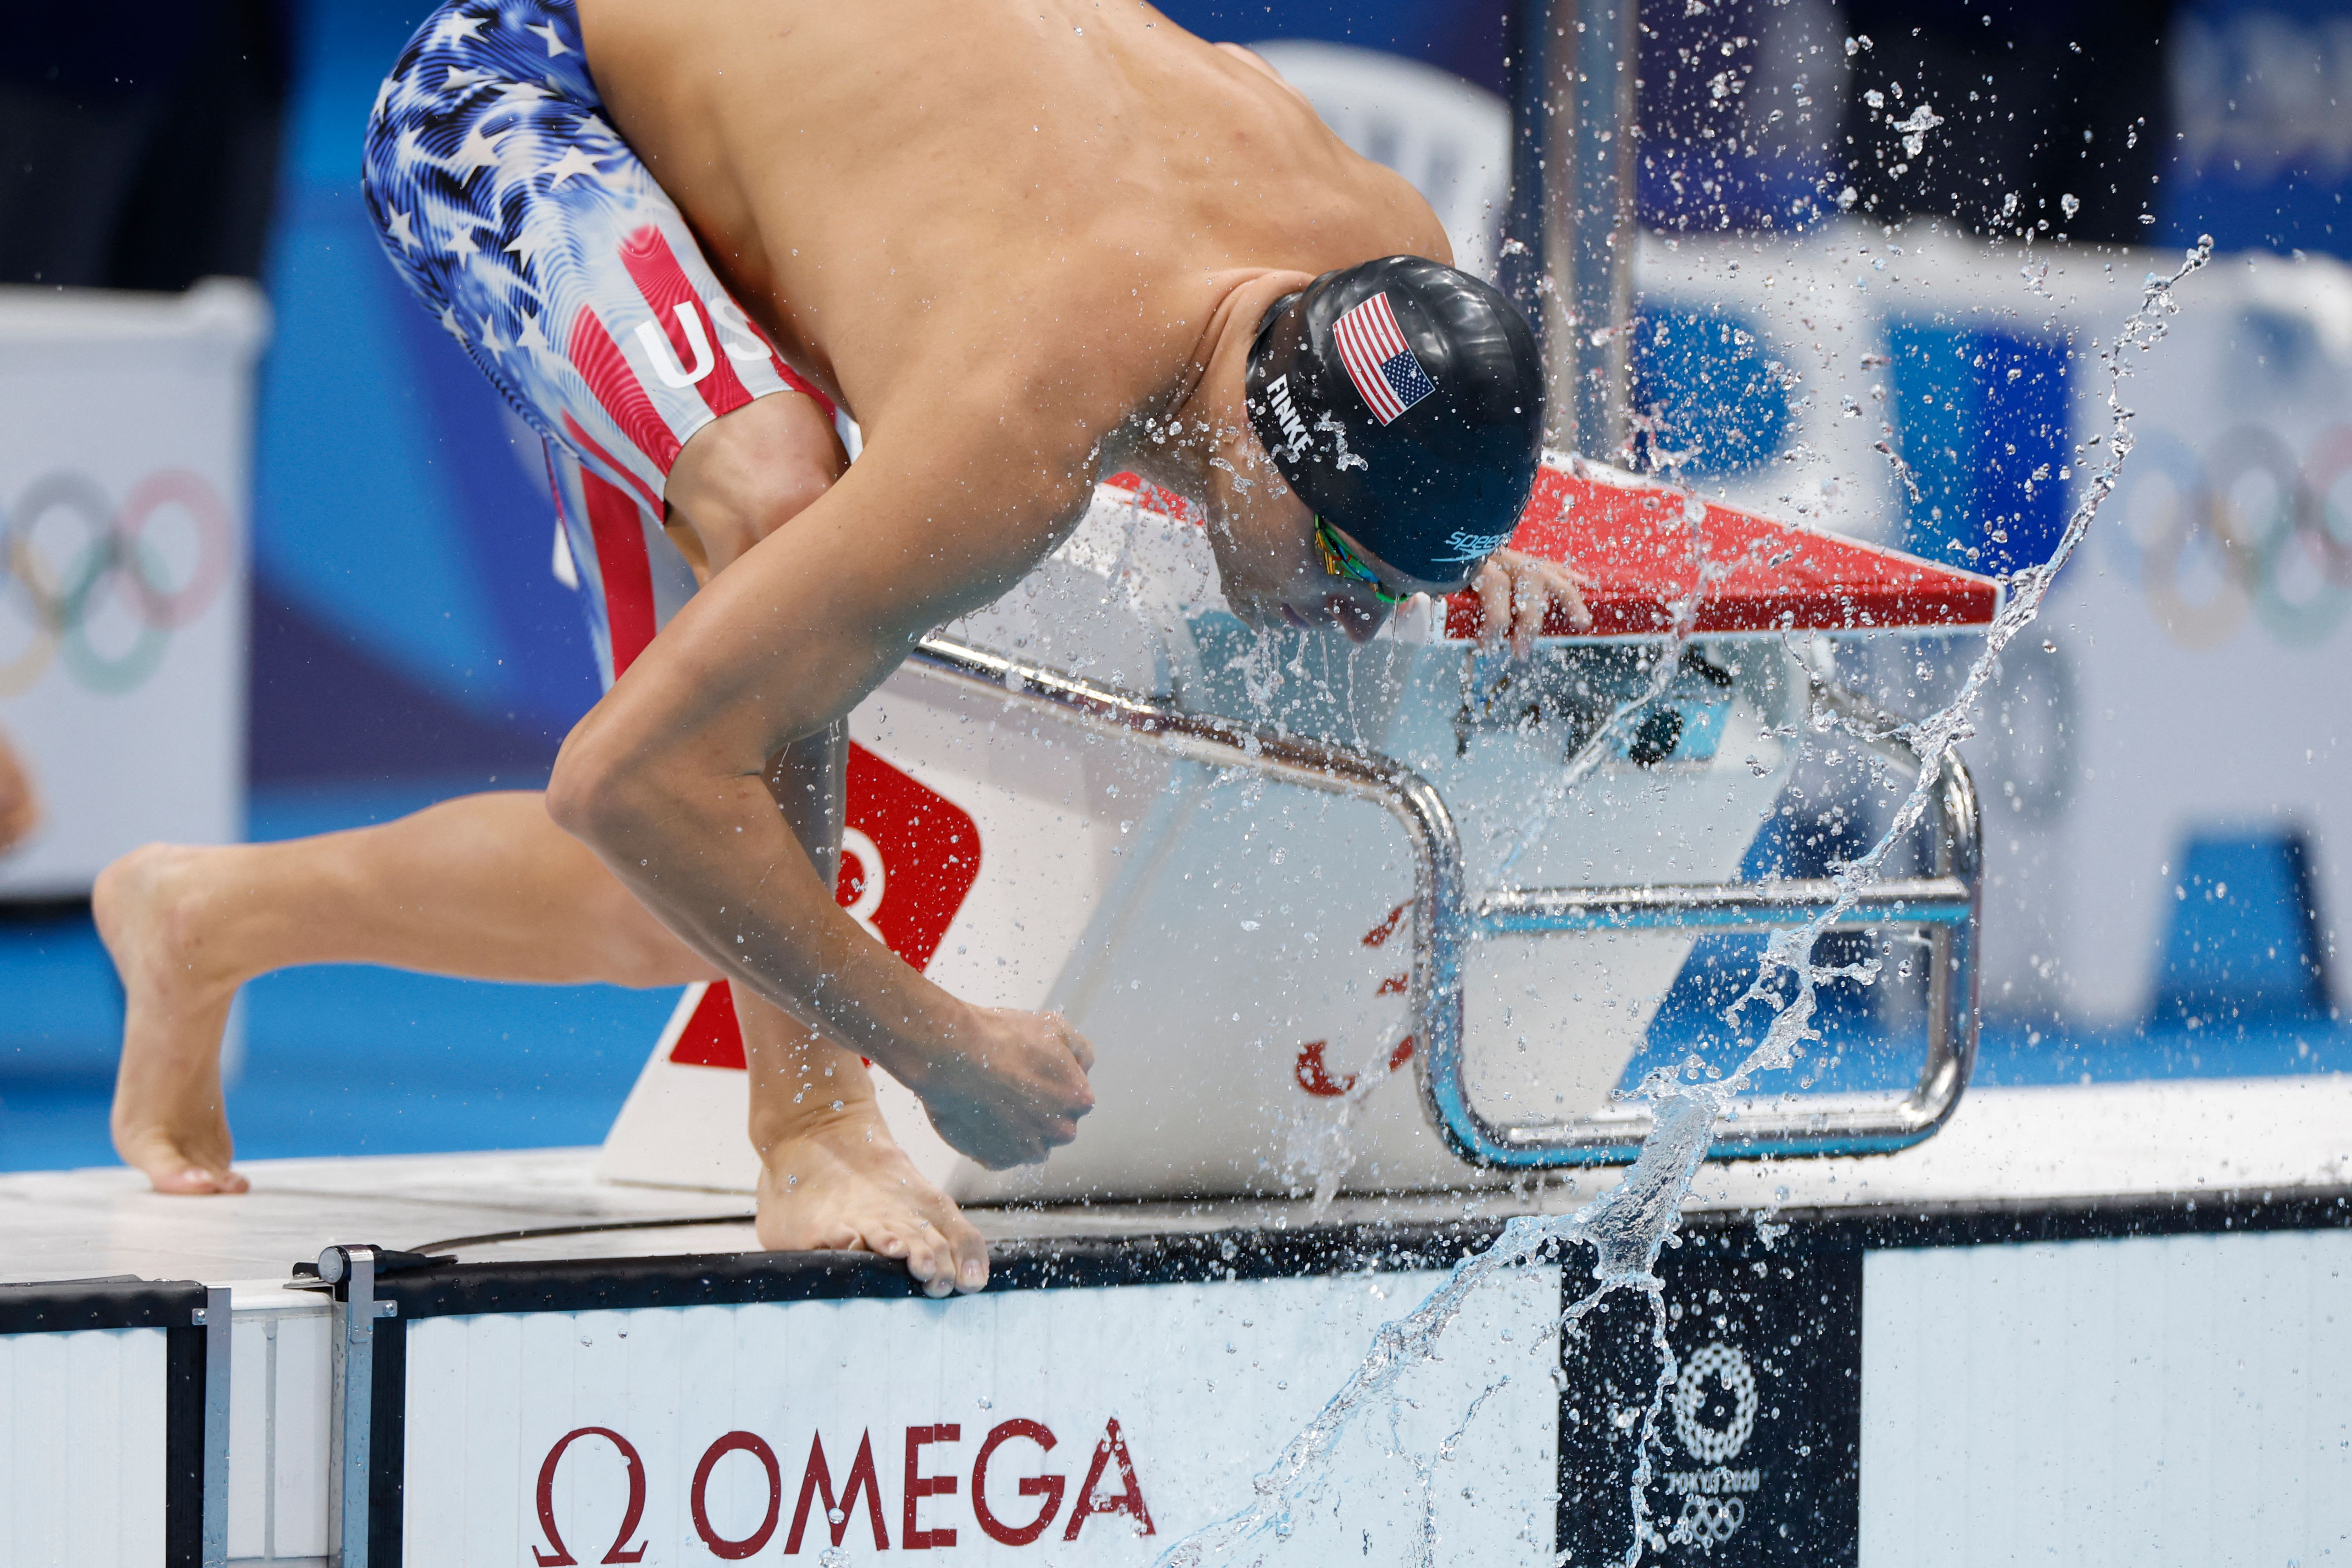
[(664, 779)]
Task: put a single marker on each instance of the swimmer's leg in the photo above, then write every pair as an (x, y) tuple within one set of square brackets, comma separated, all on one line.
[(830, 1173), (485, 887)]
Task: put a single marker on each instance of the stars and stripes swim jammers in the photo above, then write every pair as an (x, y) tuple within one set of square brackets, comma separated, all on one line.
[(520, 218)]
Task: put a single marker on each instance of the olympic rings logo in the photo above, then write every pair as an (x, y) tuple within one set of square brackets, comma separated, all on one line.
[(1707, 1522), (104, 605), (2245, 530)]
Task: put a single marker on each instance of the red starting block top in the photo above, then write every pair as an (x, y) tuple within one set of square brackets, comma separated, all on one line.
[(1630, 540)]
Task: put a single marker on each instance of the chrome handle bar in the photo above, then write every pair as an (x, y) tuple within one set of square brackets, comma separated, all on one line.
[(1945, 903)]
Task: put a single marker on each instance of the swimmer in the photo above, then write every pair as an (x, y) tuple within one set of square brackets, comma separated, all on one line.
[(20, 808), (1025, 250)]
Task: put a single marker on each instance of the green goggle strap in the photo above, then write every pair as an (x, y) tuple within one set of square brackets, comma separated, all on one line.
[(1340, 560)]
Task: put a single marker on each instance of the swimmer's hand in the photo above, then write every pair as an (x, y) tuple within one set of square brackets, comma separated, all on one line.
[(1517, 592), (1011, 1092)]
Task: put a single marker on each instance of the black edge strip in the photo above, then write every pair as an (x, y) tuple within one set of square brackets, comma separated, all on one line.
[(443, 1289), (73, 1304), (184, 1446), (2079, 1219), (388, 1444), (597, 1284)]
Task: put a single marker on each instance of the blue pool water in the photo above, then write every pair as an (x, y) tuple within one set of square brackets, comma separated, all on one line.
[(344, 1059)]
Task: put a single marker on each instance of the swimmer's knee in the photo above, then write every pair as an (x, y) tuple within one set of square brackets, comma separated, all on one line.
[(778, 459), (747, 473), (785, 489)]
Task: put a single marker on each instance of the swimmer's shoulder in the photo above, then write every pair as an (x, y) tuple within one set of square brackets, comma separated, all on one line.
[(1401, 217), (1258, 62)]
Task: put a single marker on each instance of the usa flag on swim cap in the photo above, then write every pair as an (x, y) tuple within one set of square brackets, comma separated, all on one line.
[(1379, 361)]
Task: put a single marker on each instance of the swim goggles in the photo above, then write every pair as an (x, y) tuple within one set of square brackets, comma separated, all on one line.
[(1340, 560)]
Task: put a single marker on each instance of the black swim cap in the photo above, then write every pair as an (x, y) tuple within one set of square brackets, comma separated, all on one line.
[(1403, 401)]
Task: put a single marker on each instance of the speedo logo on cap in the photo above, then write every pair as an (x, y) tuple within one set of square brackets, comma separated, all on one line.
[(1286, 413), (1472, 546)]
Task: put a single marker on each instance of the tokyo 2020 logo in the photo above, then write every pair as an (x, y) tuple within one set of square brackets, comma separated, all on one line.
[(1716, 1362), (98, 589), (1714, 1403)]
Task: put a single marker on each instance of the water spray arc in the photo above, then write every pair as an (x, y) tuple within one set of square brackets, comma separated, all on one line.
[(1630, 1224)]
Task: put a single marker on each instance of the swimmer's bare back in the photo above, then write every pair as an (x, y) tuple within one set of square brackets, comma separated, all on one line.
[(1019, 212), (1001, 237)]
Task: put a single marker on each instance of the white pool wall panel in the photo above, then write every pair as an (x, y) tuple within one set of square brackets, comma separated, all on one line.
[(2181, 1400), (81, 1448)]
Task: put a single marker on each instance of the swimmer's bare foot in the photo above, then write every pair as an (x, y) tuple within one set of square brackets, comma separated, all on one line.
[(838, 1179), (169, 1120)]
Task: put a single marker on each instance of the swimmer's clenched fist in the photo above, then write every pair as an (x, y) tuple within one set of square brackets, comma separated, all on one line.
[(1012, 1092)]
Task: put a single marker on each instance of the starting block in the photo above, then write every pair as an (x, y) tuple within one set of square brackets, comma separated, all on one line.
[(1275, 879)]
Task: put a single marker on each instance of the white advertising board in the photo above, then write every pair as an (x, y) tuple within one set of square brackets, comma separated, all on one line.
[(2196, 684), (1072, 1427), (125, 439)]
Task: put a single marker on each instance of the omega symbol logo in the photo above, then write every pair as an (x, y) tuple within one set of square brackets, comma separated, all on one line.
[(1714, 1363)]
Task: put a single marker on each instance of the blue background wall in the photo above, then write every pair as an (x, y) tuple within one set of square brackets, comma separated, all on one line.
[(406, 622)]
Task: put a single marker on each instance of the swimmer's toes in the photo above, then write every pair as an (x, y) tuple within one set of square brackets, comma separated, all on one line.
[(931, 1273), (963, 1254), (183, 1184), (972, 1264), (839, 1236), (179, 1180), (929, 1261)]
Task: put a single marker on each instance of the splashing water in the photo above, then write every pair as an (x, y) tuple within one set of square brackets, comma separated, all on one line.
[(1319, 1143), (1682, 618), (1629, 1225)]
